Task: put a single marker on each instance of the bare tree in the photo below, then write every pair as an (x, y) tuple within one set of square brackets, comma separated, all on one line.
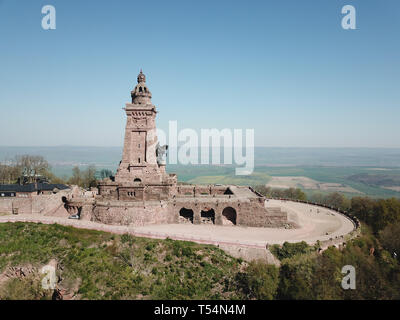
[(84, 178), (9, 174), (32, 166)]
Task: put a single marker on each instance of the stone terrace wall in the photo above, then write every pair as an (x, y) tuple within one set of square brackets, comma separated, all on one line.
[(38, 204), (24, 205), (49, 205), (254, 214), (249, 212), (135, 215)]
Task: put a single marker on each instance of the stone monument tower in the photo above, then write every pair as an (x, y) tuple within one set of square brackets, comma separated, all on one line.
[(139, 159), (141, 174)]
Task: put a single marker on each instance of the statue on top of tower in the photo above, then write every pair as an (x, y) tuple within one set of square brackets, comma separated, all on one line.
[(141, 77)]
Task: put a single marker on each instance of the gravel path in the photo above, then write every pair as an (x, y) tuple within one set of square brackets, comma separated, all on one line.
[(316, 223)]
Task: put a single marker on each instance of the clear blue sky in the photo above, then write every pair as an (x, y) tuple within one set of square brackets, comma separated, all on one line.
[(285, 68)]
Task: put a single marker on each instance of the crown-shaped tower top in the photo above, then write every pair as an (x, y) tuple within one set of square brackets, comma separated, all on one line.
[(141, 94)]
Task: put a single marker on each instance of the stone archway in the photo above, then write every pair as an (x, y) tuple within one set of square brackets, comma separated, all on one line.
[(229, 216), (185, 215), (207, 216)]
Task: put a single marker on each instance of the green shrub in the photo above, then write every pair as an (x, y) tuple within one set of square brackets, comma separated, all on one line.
[(289, 250), (259, 281), (127, 238)]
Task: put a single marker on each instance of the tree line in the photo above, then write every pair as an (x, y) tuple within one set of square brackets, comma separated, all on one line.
[(305, 274), (31, 168), (25, 167)]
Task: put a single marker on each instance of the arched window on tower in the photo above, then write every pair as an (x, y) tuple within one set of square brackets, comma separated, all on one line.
[(140, 89)]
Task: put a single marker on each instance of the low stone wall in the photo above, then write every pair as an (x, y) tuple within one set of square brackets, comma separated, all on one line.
[(340, 241), (198, 190), (337, 241)]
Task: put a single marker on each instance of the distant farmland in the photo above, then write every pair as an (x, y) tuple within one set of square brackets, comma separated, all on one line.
[(353, 171)]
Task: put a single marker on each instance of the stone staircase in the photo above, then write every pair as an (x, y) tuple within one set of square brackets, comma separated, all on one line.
[(275, 211)]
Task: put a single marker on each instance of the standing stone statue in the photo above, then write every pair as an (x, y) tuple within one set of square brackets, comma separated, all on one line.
[(161, 152)]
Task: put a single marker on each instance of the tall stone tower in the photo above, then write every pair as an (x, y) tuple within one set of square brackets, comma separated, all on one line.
[(139, 160)]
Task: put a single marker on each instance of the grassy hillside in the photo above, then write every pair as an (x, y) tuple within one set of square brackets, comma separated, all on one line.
[(99, 265)]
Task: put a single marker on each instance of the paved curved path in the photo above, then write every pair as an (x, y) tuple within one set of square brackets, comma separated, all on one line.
[(316, 223)]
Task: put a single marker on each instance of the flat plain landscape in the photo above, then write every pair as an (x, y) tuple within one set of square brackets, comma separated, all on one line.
[(373, 172)]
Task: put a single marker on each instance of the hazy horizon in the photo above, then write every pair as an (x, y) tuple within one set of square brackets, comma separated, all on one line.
[(110, 156), (257, 146)]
